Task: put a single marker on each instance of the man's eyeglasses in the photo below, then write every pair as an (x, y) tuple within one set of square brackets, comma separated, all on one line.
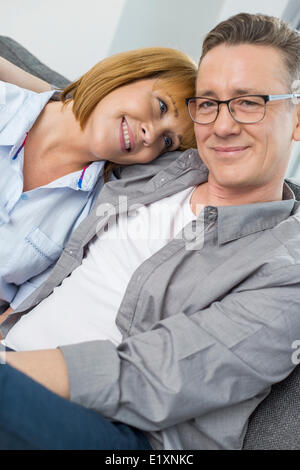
[(247, 109)]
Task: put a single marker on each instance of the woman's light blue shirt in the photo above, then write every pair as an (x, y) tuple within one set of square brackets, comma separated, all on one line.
[(34, 225)]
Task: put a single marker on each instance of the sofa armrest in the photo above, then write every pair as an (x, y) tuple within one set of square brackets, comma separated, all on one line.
[(18, 55)]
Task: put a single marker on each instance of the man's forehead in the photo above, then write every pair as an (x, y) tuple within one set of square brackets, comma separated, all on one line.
[(242, 69)]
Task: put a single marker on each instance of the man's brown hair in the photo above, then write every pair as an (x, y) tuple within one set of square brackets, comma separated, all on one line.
[(259, 29)]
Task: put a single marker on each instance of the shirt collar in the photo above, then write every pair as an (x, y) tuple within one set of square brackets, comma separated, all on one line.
[(22, 109), (239, 221), (88, 178), (21, 114)]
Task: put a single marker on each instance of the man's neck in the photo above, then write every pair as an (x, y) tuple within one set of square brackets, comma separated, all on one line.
[(212, 194)]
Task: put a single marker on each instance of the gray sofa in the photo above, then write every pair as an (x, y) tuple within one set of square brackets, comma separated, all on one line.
[(275, 424)]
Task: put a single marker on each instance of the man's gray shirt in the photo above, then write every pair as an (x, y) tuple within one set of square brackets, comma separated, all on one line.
[(208, 322)]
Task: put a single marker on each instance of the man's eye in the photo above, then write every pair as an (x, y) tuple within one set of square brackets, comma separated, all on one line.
[(250, 103), (168, 142), (206, 104), (247, 103), (163, 107)]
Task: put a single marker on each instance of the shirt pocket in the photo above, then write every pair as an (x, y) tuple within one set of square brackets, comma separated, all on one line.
[(38, 253)]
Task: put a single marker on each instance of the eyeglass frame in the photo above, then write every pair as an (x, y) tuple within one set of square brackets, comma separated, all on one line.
[(266, 99)]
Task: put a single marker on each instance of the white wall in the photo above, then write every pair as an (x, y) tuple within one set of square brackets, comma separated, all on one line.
[(268, 7), (180, 24), (72, 35), (68, 35)]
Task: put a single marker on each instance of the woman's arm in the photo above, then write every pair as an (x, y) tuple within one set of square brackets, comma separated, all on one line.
[(3, 317), (13, 74), (48, 367), (5, 314)]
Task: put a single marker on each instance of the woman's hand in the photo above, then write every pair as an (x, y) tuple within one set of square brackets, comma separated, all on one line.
[(3, 316), (48, 367), (12, 74)]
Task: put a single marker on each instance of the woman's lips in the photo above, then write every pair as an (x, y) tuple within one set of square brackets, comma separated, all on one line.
[(127, 141)]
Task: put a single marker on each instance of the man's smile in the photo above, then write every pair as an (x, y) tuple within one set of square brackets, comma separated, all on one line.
[(229, 151)]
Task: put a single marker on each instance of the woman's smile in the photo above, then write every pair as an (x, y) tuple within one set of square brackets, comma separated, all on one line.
[(127, 140)]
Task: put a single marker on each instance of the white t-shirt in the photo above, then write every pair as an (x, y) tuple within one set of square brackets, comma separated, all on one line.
[(91, 296)]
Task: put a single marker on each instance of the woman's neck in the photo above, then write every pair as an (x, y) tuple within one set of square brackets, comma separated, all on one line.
[(56, 141)]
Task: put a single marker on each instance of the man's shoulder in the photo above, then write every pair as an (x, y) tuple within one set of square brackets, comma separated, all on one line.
[(150, 169), (294, 184)]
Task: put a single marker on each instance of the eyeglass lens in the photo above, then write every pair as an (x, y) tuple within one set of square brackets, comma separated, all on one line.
[(248, 109)]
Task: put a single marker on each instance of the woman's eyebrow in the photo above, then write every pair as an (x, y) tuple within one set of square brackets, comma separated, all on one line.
[(175, 110)]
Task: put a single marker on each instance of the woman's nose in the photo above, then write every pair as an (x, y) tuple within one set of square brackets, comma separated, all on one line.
[(148, 133)]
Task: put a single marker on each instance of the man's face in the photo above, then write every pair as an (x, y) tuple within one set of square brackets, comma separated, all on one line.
[(246, 156)]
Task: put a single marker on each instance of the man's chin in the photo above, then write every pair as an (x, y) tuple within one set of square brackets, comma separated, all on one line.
[(235, 181)]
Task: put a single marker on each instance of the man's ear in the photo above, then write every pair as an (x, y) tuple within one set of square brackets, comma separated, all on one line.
[(296, 135)]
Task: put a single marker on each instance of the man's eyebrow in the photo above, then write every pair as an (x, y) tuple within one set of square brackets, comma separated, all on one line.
[(235, 92)]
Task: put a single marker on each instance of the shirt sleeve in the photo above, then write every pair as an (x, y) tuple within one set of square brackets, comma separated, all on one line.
[(187, 366), (28, 287), (12, 98)]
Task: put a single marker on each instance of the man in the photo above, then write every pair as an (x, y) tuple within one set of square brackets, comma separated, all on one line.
[(208, 319)]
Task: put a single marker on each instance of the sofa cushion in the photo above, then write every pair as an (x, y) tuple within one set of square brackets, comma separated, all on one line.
[(18, 55), (275, 424)]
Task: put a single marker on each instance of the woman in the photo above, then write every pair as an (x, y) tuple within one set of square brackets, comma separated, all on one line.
[(127, 109)]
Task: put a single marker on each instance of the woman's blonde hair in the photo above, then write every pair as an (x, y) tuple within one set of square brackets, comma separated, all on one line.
[(175, 72)]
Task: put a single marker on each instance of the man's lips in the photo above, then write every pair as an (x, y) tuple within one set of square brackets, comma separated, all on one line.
[(229, 149)]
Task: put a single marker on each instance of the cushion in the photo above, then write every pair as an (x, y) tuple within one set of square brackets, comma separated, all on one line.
[(275, 424), (18, 55)]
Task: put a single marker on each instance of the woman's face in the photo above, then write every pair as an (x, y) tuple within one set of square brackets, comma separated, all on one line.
[(134, 124)]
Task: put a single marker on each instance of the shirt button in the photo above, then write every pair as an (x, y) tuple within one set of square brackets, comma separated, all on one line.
[(24, 197)]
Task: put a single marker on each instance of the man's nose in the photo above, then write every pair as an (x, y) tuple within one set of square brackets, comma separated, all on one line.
[(225, 124)]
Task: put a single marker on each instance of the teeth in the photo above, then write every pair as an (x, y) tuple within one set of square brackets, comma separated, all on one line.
[(126, 136)]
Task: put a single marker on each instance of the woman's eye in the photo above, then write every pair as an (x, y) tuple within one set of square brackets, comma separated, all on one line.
[(163, 107), (168, 142)]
